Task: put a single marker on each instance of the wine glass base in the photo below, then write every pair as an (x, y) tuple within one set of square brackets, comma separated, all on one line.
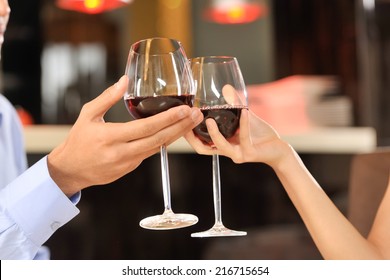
[(168, 221), (218, 231)]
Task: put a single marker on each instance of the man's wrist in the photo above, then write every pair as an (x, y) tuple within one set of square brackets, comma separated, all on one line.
[(66, 182)]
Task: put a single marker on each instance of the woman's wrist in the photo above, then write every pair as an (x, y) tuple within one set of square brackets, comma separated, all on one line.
[(286, 156)]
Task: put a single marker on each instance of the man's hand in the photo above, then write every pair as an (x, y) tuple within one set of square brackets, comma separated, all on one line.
[(96, 152)]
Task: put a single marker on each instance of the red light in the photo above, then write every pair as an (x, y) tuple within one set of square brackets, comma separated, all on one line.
[(236, 14), (91, 6)]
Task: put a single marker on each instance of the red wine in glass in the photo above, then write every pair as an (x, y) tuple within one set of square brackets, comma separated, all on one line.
[(227, 118), (146, 106)]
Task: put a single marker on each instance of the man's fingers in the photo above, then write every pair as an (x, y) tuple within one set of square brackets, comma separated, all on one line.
[(101, 104), (142, 128), (166, 136)]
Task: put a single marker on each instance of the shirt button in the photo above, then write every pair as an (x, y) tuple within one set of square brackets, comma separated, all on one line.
[(55, 225)]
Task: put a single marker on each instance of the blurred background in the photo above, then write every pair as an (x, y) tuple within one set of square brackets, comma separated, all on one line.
[(336, 54), (54, 59)]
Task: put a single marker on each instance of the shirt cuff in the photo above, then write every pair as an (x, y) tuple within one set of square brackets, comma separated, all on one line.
[(37, 204)]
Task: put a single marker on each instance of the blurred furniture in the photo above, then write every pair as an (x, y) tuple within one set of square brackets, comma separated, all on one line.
[(373, 50), (369, 177), (299, 103)]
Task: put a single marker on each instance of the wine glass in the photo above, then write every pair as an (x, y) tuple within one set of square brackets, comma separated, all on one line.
[(221, 95), (159, 78)]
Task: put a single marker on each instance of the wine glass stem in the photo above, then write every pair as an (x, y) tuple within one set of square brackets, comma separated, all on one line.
[(217, 191), (165, 178)]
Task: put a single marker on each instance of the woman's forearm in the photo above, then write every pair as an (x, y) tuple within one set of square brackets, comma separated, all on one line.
[(334, 235)]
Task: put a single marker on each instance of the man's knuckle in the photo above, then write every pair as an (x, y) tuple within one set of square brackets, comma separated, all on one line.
[(159, 140), (147, 130)]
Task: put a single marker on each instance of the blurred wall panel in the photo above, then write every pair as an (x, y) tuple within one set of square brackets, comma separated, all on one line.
[(373, 25), (252, 43), (21, 57)]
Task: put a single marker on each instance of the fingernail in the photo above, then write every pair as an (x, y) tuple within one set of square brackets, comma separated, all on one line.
[(196, 114)]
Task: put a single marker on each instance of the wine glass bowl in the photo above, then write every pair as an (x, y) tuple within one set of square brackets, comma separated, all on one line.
[(226, 117), (158, 68), (159, 79), (220, 95)]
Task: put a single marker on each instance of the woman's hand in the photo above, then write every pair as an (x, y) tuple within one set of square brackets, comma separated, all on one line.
[(255, 141)]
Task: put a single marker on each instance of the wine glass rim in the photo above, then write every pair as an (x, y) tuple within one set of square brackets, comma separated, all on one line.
[(176, 46), (213, 58)]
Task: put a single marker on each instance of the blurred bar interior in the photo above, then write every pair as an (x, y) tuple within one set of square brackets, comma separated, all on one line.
[(323, 63), (55, 59)]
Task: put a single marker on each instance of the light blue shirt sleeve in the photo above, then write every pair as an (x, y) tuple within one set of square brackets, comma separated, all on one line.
[(32, 208)]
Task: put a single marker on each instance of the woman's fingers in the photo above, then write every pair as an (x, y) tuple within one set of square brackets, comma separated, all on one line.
[(245, 134), (198, 145), (218, 139)]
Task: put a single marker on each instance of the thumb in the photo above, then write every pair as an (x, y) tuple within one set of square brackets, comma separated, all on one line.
[(101, 104)]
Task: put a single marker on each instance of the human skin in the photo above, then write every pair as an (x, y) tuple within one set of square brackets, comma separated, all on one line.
[(98, 152), (333, 234)]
